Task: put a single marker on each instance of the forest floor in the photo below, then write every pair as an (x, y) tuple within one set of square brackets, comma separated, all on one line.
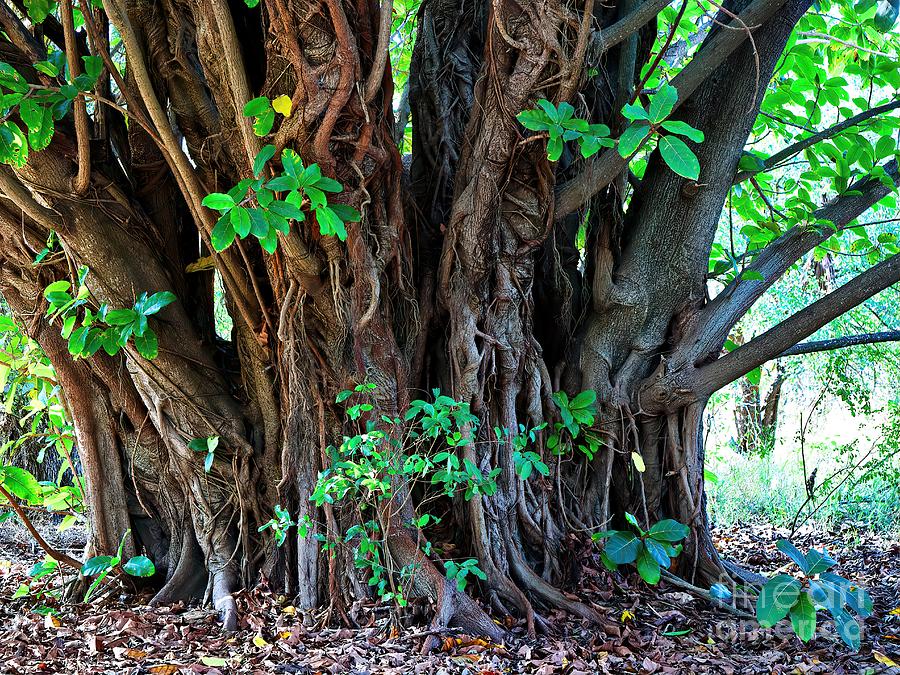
[(664, 630)]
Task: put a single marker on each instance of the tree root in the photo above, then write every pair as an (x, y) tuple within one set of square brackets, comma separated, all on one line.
[(184, 583), (452, 606), (706, 595)]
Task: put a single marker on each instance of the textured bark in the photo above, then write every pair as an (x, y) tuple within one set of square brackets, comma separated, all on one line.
[(461, 275)]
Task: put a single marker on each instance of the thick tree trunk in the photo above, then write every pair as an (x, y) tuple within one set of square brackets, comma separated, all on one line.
[(459, 276)]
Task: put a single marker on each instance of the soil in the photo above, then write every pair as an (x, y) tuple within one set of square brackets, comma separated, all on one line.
[(664, 630)]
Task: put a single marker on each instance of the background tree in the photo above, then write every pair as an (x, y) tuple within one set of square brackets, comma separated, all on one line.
[(144, 141)]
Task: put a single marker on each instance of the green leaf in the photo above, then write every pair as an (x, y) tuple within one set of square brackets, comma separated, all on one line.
[(218, 201), (751, 162), (286, 210), (647, 567), (554, 148), (776, 599), (669, 530), (329, 223), (635, 112), (47, 68), (140, 566), (752, 275), (21, 483), (657, 552), (120, 317), (679, 157), (819, 561), (264, 155), (38, 10), (683, 129), (847, 628), (327, 184), (858, 598), (97, 564), (632, 137), (257, 106), (259, 226), (208, 462), (147, 344), (662, 103), (240, 221), (346, 213), (533, 120), (156, 302), (550, 110), (791, 551), (290, 160), (93, 66), (585, 399), (622, 547), (803, 618), (283, 183), (222, 234), (264, 123), (269, 242)]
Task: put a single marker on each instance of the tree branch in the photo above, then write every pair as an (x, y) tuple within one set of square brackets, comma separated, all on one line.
[(19, 195), (801, 145), (376, 75), (603, 169), (609, 37), (798, 326), (58, 556), (82, 124), (724, 311), (841, 342), (19, 35)]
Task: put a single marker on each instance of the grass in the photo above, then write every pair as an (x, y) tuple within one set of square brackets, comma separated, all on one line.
[(772, 489)]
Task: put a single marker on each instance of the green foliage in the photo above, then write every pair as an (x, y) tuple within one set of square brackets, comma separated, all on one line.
[(561, 126), (459, 571), (264, 206), (30, 389), (649, 123), (785, 595), (208, 446), (102, 565), (525, 461), (419, 448), (39, 107), (577, 416), (263, 110), (280, 525), (87, 331), (650, 552)]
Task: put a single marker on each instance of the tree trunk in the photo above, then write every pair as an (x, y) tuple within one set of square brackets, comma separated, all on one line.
[(461, 275)]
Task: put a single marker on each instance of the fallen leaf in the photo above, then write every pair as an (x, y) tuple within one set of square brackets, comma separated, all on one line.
[(214, 661), (163, 669), (884, 659)]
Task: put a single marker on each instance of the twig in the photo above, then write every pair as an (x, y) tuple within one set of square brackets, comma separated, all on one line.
[(660, 54), (58, 556), (706, 595)]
